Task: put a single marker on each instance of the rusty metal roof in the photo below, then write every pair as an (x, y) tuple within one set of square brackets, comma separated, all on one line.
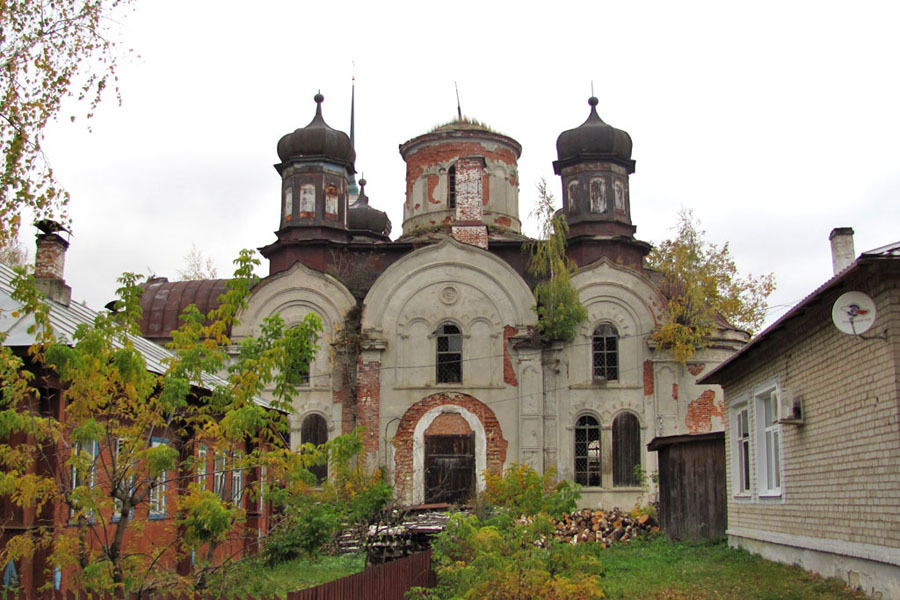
[(164, 301)]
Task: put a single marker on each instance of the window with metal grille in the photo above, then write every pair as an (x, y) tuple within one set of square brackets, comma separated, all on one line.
[(606, 352), (451, 187), (314, 430), (449, 354), (587, 451), (626, 450)]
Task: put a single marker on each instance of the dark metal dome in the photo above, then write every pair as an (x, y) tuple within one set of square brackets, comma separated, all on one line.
[(594, 140), (363, 217), (317, 140)]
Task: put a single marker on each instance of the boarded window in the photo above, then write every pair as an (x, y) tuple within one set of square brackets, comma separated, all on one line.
[(449, 354), (626, 453), (606, 352), (314, 430), (587, 451)]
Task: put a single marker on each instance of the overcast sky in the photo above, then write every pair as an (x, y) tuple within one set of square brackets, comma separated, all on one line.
[(773, 122)]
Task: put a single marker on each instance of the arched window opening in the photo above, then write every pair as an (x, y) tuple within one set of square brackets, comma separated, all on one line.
[(451, 187), (314, 430), (606, 352), (587, 451), (449, 354), (626, 454)]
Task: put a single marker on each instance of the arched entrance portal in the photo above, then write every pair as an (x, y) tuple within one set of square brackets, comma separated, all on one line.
[(449, 460), (419, 438)]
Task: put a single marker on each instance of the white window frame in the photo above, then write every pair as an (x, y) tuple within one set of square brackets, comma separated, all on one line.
[(237, 478), (742, 449), (769, 442), (202, 465), (220, 475), (157, 497)]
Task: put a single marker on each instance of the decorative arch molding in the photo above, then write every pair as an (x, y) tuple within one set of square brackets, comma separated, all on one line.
[(448, 262), (409, 441), (604, 278), (292, 294)]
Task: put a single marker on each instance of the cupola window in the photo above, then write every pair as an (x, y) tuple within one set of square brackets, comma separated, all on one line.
[(451, 187), (307, 201), (331, 203), (598, 195), (573, 194), (288, 203)]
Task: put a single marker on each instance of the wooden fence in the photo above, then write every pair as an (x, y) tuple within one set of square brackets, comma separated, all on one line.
[(389, 581)]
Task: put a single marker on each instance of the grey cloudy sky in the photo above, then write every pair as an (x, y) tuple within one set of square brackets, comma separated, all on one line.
[(773, 121)]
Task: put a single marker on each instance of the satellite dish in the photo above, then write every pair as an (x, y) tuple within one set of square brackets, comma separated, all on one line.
[(853, 313)]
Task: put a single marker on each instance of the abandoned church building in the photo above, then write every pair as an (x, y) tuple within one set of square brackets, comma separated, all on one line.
[(430, 339)]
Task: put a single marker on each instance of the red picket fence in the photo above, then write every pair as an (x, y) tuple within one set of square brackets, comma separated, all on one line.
[(389, 581)]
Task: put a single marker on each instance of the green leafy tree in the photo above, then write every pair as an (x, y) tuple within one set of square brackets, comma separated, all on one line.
[(703, 287), (523, 491), (114, 470), (558, 307), (49, 51)]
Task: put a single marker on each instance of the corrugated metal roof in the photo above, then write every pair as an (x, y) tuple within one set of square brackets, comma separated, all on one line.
[(66, 319)]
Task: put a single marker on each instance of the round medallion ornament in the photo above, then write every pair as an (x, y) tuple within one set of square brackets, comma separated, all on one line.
[(449, 295)]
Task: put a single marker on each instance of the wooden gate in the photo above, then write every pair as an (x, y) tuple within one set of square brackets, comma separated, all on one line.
[(449, 468)]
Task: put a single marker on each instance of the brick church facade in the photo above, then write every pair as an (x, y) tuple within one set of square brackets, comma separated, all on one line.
[(430, 338)]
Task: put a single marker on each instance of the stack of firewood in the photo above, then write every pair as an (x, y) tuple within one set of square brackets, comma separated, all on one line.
[(605, 527)]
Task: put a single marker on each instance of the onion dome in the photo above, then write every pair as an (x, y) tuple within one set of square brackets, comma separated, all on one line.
[(363, 217), (593, 140), (318, 141)]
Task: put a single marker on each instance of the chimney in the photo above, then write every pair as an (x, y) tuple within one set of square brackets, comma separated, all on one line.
[(50, 260), (842, 253)]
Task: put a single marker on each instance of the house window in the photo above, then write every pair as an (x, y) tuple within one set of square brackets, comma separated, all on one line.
[(587, 451), (314, 430), (220, 475), (84, 469), (158, 486), (451, 187), (742, 449), (449, 354), (606, 352), (626, 451), (237, 477), (123, 473), (202, 466), (768, 443)]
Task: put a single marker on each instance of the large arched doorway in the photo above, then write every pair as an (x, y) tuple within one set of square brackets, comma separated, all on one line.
[(449, 460), (314, 430)]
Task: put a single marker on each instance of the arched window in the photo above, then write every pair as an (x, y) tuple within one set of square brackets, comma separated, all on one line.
[(314, 430), (451, 187), (626, 443), (587, 451), (606, 352), (449, 354)]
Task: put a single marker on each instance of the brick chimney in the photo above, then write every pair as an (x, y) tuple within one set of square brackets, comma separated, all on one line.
[(842, 253), (469, 227), (50, 261)]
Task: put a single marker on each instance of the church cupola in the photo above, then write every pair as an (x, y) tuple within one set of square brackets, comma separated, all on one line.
[(316, 165), (463, 178), (595, 161), (367, 223)]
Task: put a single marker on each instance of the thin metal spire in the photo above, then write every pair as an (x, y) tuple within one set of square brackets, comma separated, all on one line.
[(353, 106), (458, 106)]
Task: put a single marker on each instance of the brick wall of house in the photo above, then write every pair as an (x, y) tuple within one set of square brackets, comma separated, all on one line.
[(840, 469)]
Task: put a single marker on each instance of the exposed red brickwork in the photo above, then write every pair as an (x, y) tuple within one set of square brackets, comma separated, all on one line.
[(648, 378), (403, 440), (674, 391), (446, 151), (449, 424), (368, 402), (509, 373), (50, 258), (486, 189), (701, 412), (503, 221), (695, 368), (475, 235)]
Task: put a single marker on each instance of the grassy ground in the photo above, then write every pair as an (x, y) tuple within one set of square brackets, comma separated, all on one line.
[(661, 570), (253, 578)]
